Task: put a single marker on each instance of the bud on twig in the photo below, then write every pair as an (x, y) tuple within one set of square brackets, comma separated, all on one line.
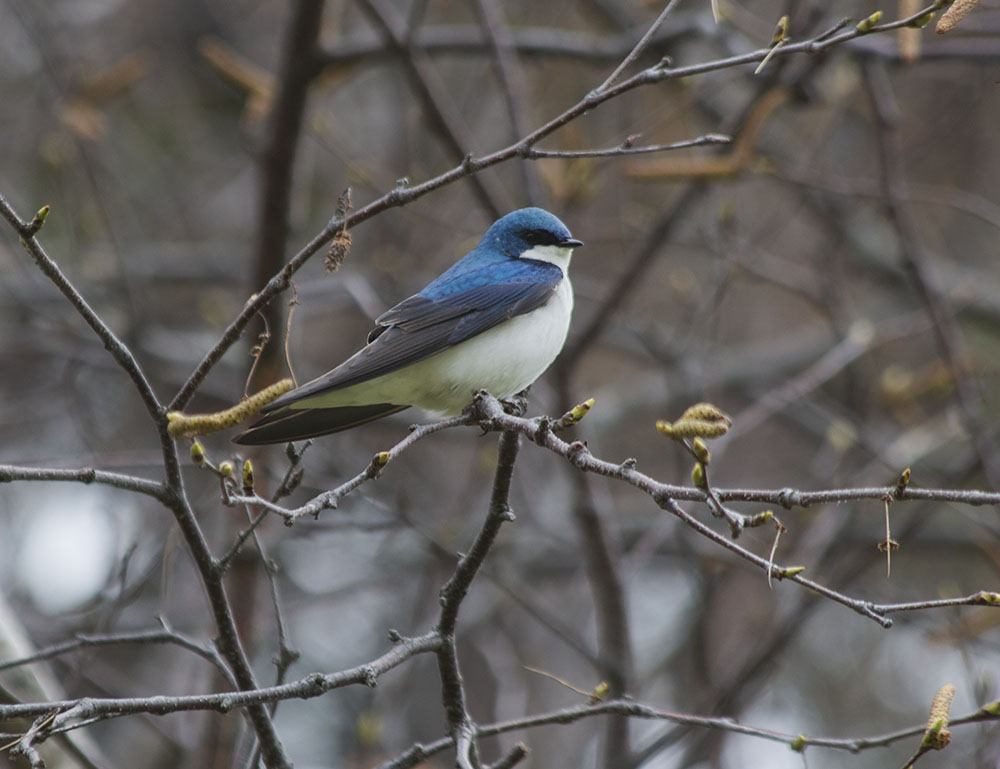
[(867, 25), (247, 477), (574, 415), (702, 420)]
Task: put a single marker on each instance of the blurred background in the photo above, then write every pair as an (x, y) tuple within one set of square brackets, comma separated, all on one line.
[(829, 279)]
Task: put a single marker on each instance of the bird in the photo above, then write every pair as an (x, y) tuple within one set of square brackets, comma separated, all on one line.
[(495, 320)]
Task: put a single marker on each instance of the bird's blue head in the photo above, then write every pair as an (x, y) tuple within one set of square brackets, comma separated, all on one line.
[(530, 233)]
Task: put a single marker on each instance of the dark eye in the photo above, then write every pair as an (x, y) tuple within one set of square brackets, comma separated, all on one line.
[(539, 237)]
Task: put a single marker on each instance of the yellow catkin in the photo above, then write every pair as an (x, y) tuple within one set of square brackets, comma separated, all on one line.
[(936, 735), (702, 428), (955, 13), (181, 425)]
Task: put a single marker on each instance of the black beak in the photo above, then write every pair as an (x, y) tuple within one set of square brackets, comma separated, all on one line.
[(570, 243)]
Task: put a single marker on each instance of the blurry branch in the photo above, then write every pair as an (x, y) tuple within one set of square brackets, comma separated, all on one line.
[(433, 94), (861, 338), (85, 475), (470, 165), (296, 71), (529, 41), (640, 46), (945, 328), (797, 742), (256, 82), (313, 685), (602, 558), (83, 111), (317, 684), (158, 636), (512, 84), (460, 724), (740, 158), (118, 350), (554, 43), (633, 273)]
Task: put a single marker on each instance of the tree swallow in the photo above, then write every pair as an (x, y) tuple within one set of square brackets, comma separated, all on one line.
[(494, 320)]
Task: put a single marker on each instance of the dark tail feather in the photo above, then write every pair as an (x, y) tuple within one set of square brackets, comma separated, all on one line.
[(298, 424)]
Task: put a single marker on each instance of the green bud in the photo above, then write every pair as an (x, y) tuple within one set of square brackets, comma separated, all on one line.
[(197, 453), (701, 450), (698, 476), (226, 469), (780, 31), (599, 693), (580, 410), (247, 477), (867, 25)]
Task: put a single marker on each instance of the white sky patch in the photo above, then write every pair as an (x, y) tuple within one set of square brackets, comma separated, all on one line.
[(67, 550)]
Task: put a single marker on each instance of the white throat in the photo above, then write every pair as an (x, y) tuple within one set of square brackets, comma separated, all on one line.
[(557, 255)]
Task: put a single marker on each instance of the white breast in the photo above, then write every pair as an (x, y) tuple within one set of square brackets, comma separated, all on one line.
[(503, 360)]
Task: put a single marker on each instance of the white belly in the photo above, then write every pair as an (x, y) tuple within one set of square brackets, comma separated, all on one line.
[(503, 360)]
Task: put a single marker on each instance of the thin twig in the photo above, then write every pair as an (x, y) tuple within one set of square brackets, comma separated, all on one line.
[(639, 47)]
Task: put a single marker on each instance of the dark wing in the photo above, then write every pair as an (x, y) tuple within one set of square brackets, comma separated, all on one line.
[(421, 326), (299, 424)]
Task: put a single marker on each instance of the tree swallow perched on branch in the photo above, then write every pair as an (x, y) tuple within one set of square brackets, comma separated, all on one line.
[(495, 321)]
